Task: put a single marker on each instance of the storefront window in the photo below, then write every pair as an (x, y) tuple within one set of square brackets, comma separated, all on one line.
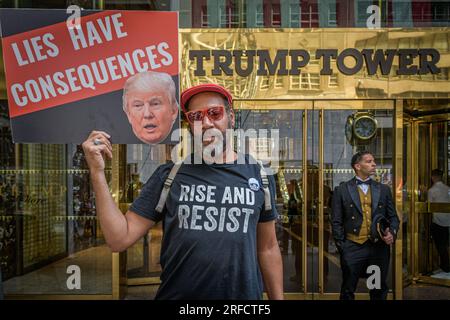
[(48, 221), (143, 264), (288, 181)]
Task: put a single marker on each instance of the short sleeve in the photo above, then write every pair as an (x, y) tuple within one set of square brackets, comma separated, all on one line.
[(430, 195), (146, 202), (273, 214)]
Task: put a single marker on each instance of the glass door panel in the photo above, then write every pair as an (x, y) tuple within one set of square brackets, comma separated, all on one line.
[(288, 178), (335, 168)]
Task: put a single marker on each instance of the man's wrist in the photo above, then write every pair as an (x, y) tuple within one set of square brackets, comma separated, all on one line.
[(97, 175)]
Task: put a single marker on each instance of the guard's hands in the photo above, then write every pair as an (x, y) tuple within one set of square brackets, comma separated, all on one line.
[(95, 148), (388, 237)]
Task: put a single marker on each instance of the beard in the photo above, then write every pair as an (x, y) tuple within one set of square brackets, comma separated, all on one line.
[(214, 143)]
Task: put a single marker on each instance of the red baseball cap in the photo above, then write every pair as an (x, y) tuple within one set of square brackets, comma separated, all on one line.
[(207, 87)]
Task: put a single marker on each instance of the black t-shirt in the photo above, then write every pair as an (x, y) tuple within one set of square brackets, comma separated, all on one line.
[(208, 248)]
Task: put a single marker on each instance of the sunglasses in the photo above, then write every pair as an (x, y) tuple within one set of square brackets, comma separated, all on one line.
[(214, 113)]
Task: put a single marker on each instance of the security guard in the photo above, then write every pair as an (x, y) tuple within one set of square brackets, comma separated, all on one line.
[(364, 224)]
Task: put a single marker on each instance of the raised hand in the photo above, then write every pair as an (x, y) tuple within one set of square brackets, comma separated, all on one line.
[(95, 148)]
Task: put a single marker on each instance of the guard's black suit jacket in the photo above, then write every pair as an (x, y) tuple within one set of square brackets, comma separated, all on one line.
[(346, 214)]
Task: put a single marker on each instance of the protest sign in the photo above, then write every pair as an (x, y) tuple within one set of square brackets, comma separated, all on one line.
[(65, 75)]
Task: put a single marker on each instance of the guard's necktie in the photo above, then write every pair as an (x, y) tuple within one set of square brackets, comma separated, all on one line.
[(367, 182)]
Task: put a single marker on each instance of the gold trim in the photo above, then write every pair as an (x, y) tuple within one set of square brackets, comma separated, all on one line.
[(415, 198), (299, 104), (398, 198), (360, 104), (273, 104), (115, 186), (321, 202), (115, 276), (434, 146), (336, 170), (143, 281), (438, 207), (420, 165), (446, 162), (305, 202), (410, 193), (430, 280), (433, 118), (46, 171)]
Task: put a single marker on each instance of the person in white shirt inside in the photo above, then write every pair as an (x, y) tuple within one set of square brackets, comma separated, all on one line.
[(440, 225)]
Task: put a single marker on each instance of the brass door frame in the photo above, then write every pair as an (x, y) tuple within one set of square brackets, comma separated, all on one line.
[(398, 197), (321, 202), (305, 203), (397, 106), (321, 106), (291, 105), (422, 207), (119, 275), (408, 123)]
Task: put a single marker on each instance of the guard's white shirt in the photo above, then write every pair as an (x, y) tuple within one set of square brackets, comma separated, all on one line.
[(440, 193), (363, 187)]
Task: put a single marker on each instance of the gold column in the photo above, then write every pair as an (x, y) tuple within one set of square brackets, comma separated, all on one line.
[(305, 202), (321, 202), (118, 259), (432, 163), (434, 143), (446, 156), (415, 198), (398, 193), (115, 193), (431, 148), (410, 192)]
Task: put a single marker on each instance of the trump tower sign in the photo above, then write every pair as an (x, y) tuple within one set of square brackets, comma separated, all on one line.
[(65, 71)]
